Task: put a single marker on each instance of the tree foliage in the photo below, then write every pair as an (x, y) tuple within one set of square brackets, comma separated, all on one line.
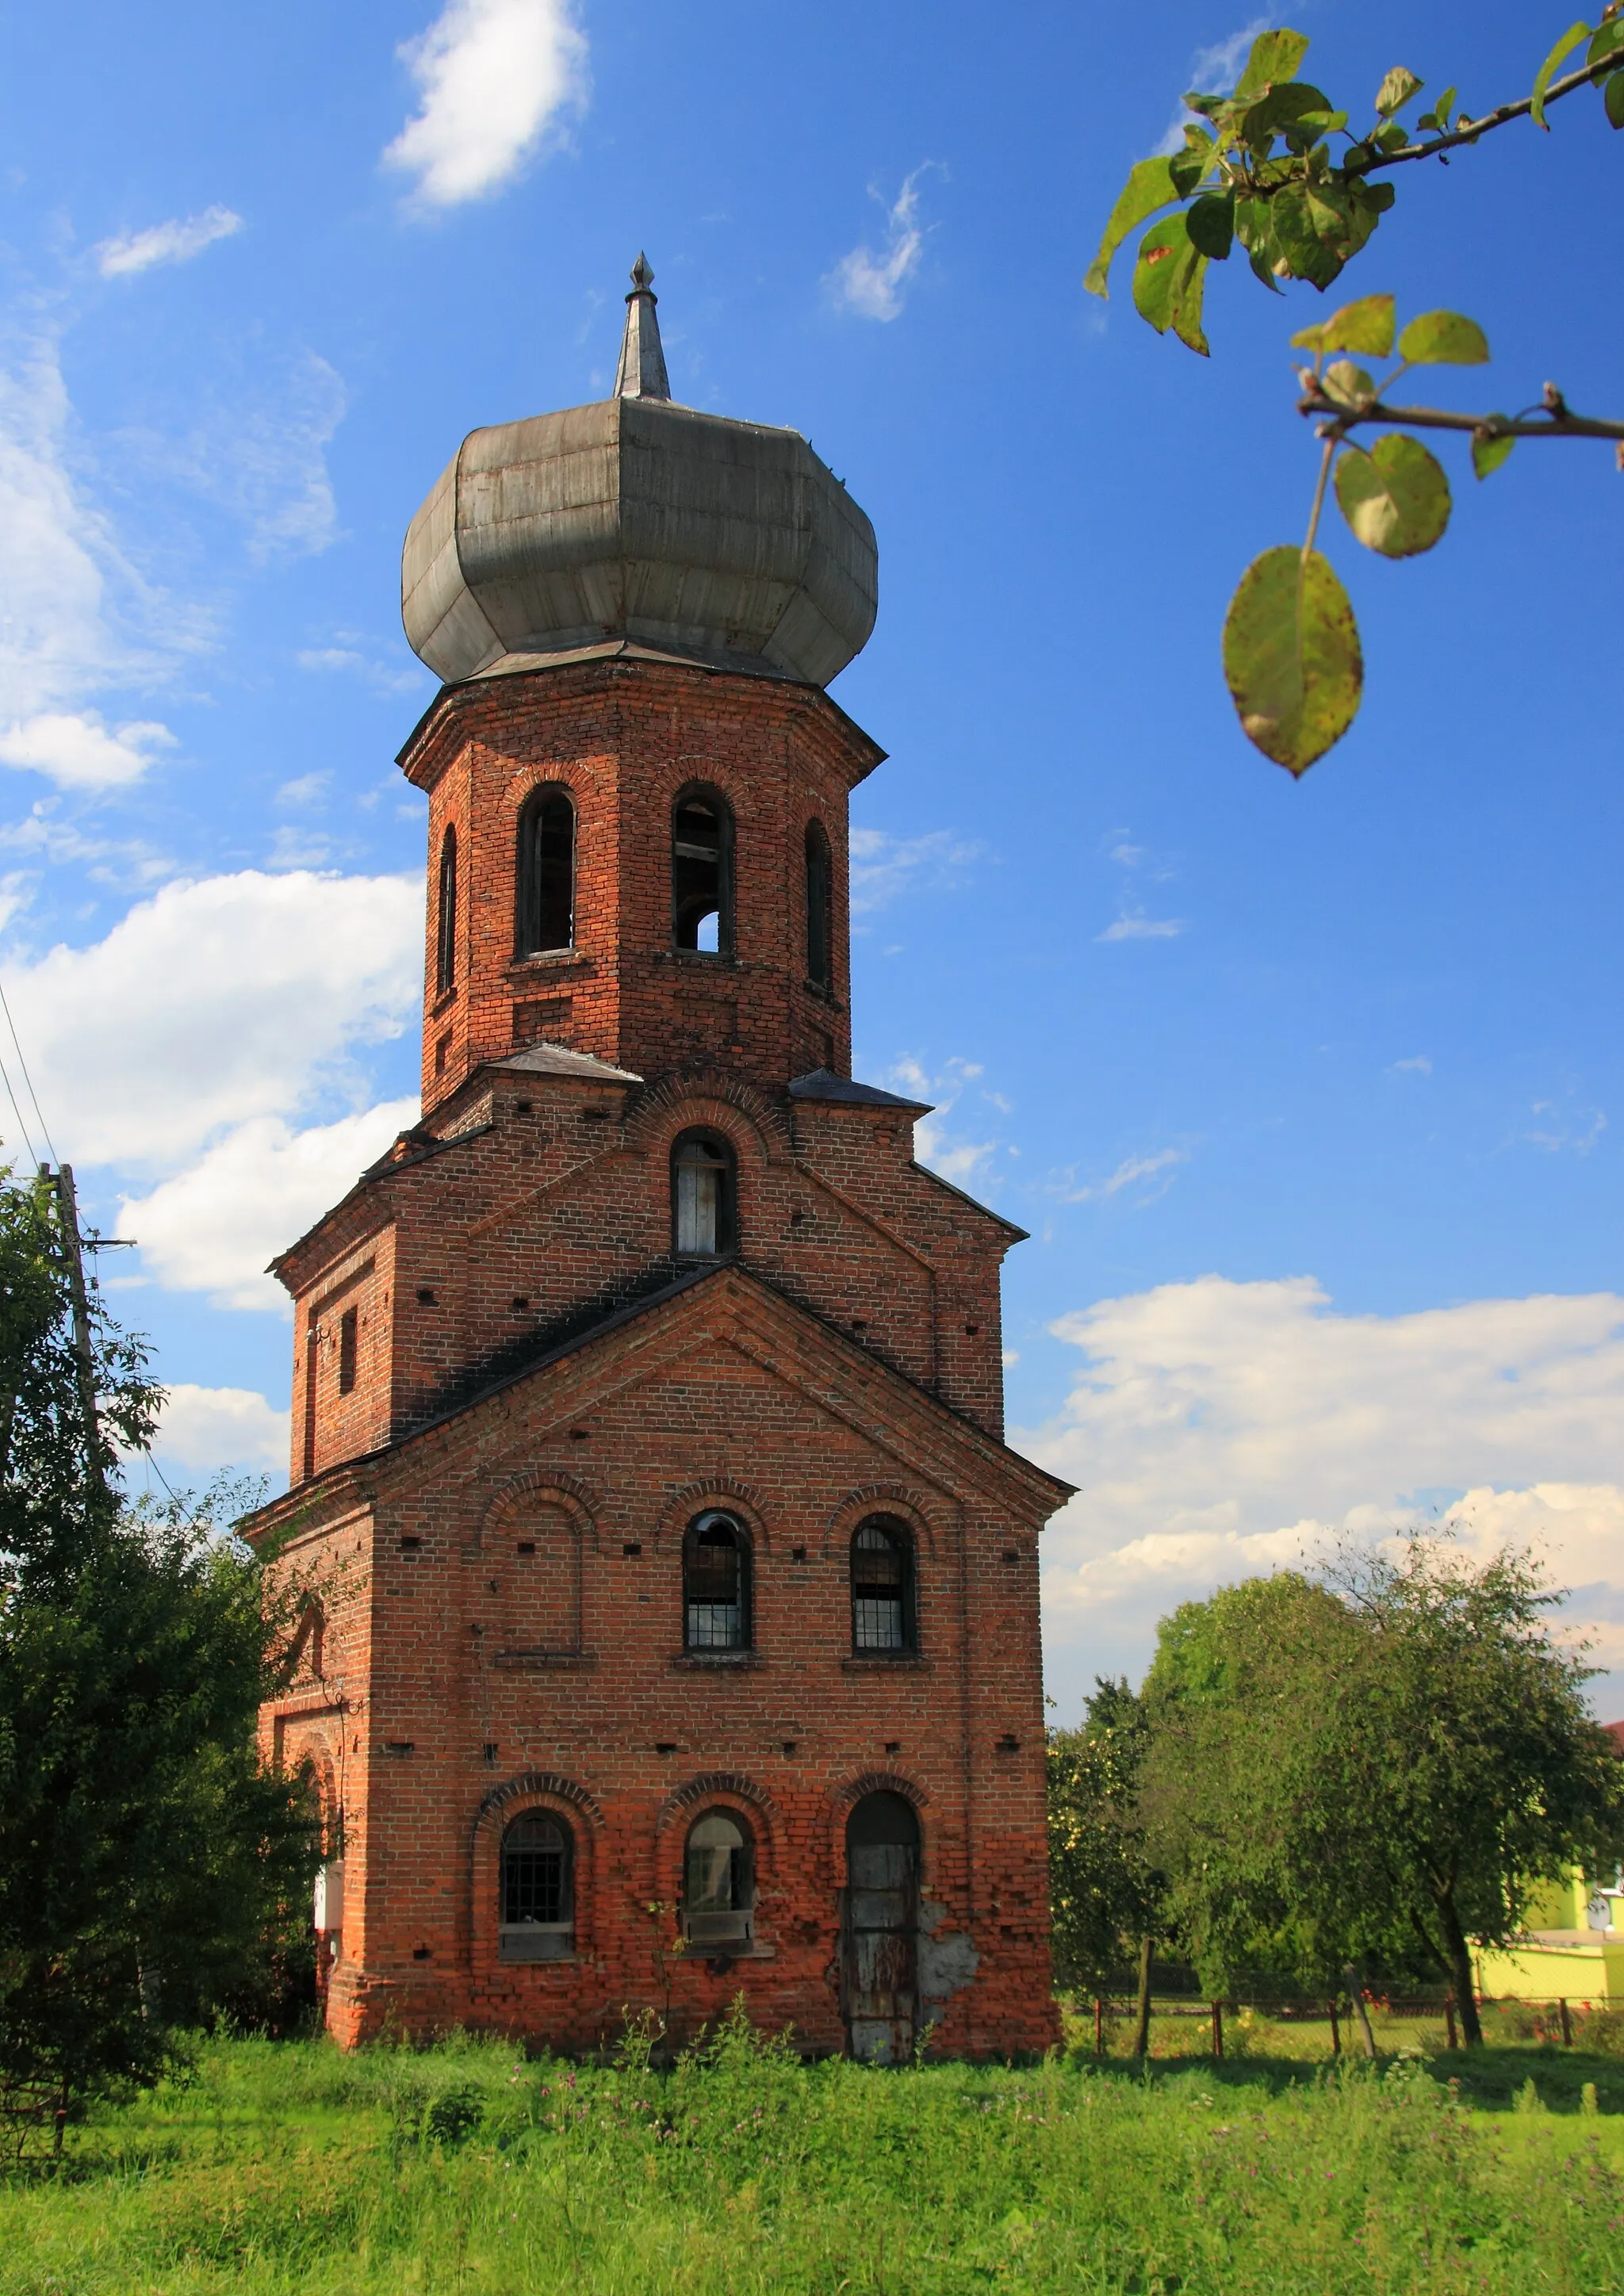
[(1383, 1767), (149, 1862), (1104, 1894)]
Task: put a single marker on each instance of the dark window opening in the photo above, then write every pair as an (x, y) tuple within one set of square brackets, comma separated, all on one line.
[(820, 969), (703, 1195), (882, 1586), (716, 1585), (445, 941), (537, 1890), (544, 898), (702, 874), (879, 1928), (350, 1338), (719, 1881)]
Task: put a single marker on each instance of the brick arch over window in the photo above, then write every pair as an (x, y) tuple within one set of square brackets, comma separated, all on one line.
[(719, 1491), (931, 1535), (841, 1800), (716, 1789), (544, 1486), (709, 1096)]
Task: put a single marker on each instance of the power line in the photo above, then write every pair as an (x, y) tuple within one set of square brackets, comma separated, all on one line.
[(26, 1078)]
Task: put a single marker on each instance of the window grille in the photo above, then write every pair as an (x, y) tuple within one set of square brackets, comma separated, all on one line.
[(882, 1588), (716, 1585), (538, 1920)]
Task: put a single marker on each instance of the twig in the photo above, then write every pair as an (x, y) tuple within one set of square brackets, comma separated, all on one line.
[(1469, 131), (1557, 422)]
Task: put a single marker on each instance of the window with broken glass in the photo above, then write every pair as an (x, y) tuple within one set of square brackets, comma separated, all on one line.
[(537, 1890), (716, 1585), (719, 1881)]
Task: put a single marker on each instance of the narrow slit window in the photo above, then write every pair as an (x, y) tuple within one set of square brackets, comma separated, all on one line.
[(537, 1909), (819, 935), (444, 947), (703, 1193), (719, 1881), (349, 1341), (702, 874), (882, 1588), (716, 1585), (543, 916)]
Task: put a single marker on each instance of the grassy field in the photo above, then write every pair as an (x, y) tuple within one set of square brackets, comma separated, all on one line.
[(287, 2167)]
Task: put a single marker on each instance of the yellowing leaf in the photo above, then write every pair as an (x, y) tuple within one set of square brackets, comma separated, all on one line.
[(1275, 57), (1488, 452), (1443, 339), (1366, 326), (1149, 186), (1396, 497), (1292, 657), (1565, 46), (1348, 385), (1396, 91)]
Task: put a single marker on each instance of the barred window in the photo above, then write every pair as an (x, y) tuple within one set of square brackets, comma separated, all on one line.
[(716, 1585), (719, 1881), (537, 1890), (882, 1586), (544, 879)]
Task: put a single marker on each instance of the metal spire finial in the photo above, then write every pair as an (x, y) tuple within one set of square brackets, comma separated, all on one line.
[(642, 370)]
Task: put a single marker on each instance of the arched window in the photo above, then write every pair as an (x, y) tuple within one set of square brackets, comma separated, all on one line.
[(701, 873), (715, 1584), (445, 923), (537, 1909), (544, 879), (882, 1586), (705, 1222), (820, 969), (718, 1897)]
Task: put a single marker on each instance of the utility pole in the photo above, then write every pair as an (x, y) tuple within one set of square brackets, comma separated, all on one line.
[(73, 1255)]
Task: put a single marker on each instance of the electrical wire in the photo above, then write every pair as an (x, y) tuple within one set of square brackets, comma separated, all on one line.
[(26, 1078)]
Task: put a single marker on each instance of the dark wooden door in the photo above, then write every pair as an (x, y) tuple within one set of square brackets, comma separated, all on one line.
[(879, 1930)]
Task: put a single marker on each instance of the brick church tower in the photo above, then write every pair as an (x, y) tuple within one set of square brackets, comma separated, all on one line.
[(670, 1614)]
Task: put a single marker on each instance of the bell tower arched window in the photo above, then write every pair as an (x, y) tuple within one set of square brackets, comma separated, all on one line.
[(705, 1222), (715, 1584), (538, 1887), (820, 951), (701, 873), (882, 1588), (543, 877), (445, 920)]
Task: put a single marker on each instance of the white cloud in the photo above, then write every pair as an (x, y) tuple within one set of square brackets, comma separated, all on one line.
[(870, 282), (1139, 927), (213, 1227), (1151, 1176), (1220, 1429), (1418, 1064), (492, 76), (76, 750), (883, 865), (206, 1429), (962, 1161), (175, 242), (214, 1001), (259, 453), (1213, 72)]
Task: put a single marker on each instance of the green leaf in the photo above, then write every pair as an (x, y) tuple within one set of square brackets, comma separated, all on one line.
[(1169, 282), (1281, 107), (1396, 91), (1443, 339), (1608, 37), (1348, 385), (1292, 657), (1565, 46), (1274, 56), (1314, 229), (1487, 452), (1396, 499), (1149, 186), (1366, 326), (1612, 96), (1210, 222)]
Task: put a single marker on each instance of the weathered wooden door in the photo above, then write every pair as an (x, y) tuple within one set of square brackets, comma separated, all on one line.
[(879, 1930)]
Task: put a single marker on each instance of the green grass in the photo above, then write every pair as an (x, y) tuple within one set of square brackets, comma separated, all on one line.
[(289, 2167)]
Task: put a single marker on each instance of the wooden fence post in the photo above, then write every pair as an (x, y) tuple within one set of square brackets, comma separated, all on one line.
[(1217, 2030), (1567, 2026), (1336, 2033), (1099, 2027), (1449, 2020)]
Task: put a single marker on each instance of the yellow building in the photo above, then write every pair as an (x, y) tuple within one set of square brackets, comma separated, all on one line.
[(1573, 1949)]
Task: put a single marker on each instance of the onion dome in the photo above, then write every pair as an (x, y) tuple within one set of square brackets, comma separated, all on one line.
[(637, 521)]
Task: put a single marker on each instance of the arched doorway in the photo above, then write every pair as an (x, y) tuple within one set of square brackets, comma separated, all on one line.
[(879, 1930)]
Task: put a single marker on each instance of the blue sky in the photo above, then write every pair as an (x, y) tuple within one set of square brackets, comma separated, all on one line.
[(1309, 1095)]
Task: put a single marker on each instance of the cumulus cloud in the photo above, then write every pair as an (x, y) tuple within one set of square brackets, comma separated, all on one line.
[(204, 1430), (884, 866), (213, 1227), (1220, 1429), (76, 752), (871, 281), (175, 242), (493, 76), (216, 1001)]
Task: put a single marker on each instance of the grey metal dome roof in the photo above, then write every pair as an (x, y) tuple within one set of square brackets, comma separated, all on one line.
[(636, 519)]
